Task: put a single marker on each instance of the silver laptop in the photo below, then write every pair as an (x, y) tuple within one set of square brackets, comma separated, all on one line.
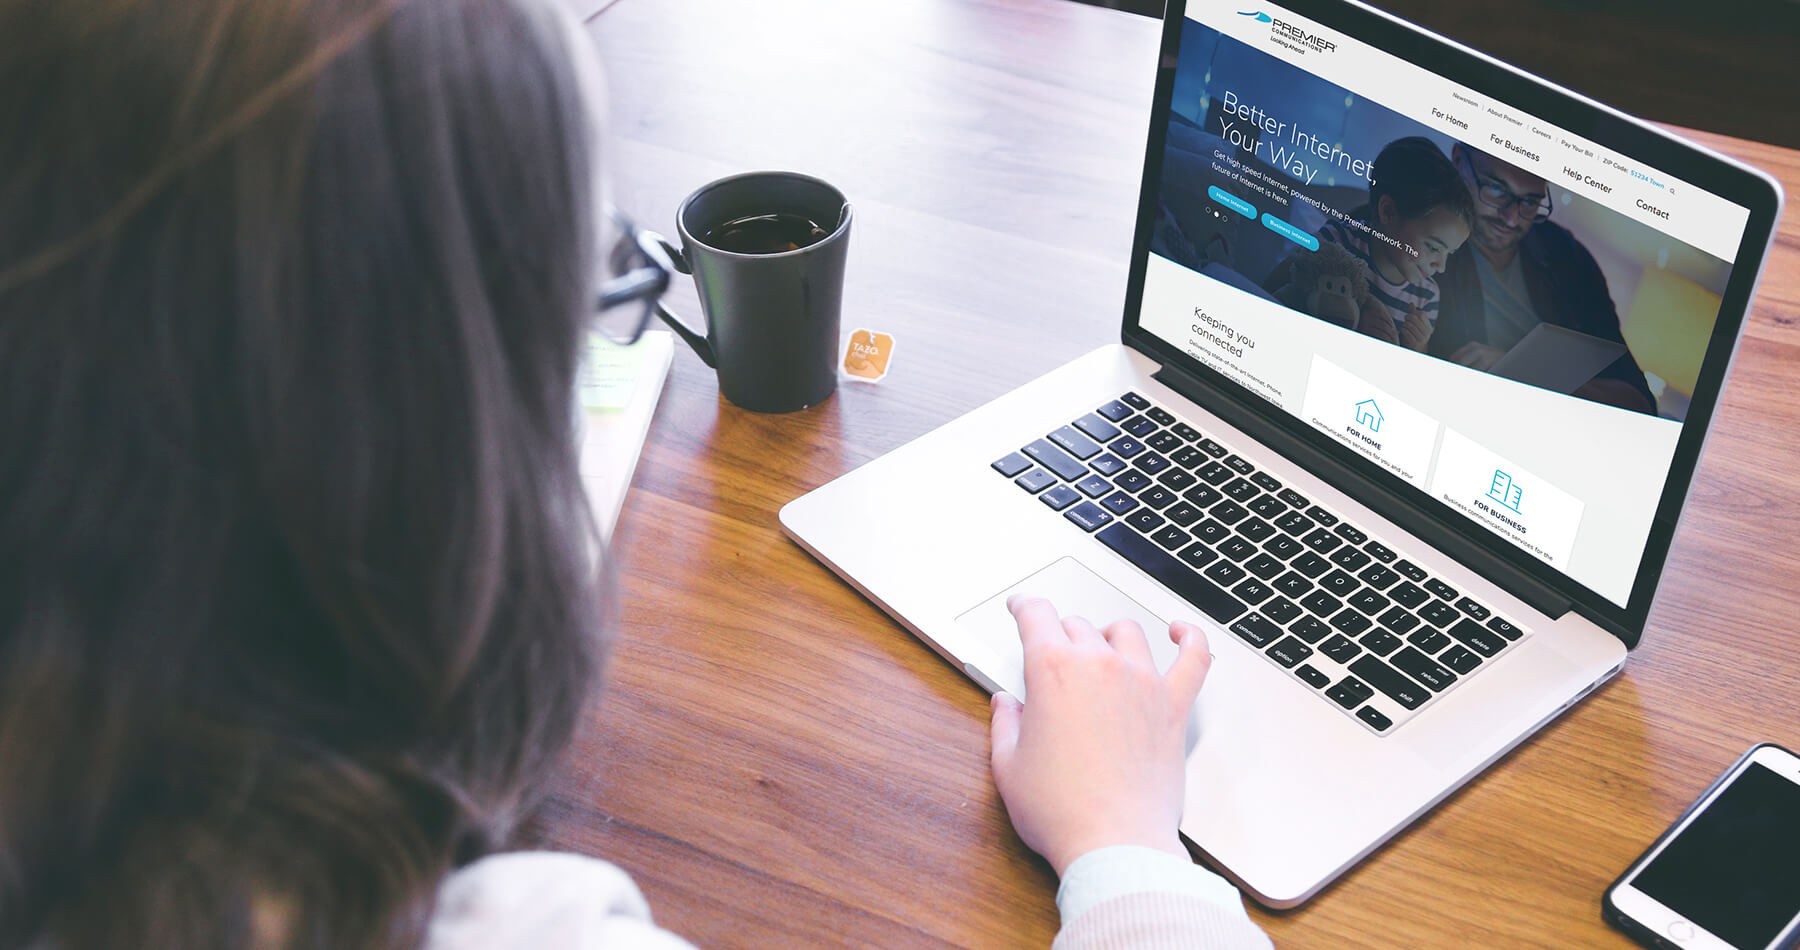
[(1406, 564)]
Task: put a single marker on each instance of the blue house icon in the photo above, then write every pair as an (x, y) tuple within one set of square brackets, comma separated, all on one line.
[(1369, 414)]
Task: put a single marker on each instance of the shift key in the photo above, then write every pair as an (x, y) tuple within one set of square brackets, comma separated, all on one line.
[(1056, 460)]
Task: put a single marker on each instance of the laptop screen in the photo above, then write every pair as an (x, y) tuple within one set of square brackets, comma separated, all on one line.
[(1498, 312)]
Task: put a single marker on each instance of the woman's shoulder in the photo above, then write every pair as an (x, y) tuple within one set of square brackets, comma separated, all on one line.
[(546, 901)]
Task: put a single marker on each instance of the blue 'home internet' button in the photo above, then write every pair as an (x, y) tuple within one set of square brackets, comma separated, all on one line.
[(1232, 201), (1290, 232)]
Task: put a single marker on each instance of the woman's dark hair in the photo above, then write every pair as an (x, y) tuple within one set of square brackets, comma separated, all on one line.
[(297, 583), (1419, 177)]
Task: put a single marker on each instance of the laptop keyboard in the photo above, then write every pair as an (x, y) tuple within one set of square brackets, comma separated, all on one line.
[(1347, 616)]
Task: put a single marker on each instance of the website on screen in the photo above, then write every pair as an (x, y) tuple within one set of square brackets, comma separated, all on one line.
[(1503, 314)]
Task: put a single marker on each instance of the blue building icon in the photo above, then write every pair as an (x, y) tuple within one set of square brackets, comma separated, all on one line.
[(1368, 414), (1504, 491)]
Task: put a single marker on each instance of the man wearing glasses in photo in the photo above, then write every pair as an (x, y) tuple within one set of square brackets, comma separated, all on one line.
[(1519, 269)]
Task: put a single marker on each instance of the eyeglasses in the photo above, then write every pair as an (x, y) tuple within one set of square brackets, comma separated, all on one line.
[(1532, 208), (628, 301)]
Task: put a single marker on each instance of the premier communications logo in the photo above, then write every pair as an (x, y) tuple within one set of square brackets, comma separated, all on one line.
[(1291, 36)]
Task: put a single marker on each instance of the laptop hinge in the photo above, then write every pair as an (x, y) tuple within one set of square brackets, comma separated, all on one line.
[(1386, 502)]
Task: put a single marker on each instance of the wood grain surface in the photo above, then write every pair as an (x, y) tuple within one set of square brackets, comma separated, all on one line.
[(777, 763)]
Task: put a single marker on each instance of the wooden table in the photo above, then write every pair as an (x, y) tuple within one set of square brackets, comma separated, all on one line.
[(779, 764)]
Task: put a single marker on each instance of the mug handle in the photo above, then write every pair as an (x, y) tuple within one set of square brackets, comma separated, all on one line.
[(697, 341)]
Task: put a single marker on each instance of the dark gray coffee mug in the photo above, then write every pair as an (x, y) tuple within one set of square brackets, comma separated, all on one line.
[(771, 319)]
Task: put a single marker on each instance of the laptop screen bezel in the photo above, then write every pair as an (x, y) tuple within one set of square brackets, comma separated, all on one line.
[(1597, 123)]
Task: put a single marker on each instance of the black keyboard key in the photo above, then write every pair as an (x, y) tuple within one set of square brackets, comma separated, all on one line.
[(1294, 523), (1211, 531), (1214, 473), (1380, 642), (1115, 411), (1197, 556), (1256, 630), (1236, 548), (1164, 441), (1012, 464), (1035, 480), (1293, 585), (1089, 516), (1289, 652), (1374, 718), (1398, 620), (1398, 688), (1349, 692), (1312, 677), (1340, 648), (1349, 558), (1321, 603), (1213, 600), (1439, 613), (1144, 520), (1429, 639), (1503, 628), (1380, 552), (1107, 464), (1281, 610), (1214, 449), (1151, 463), (1094, 486), (1294, 499), (1241, 489), (1240, 464), (1182, 513), (1351, 622), (1187, 456), (1409, 595), (1158, 497), (1378, 576), (1224, 572), (1441, 589), (1131, 480), (1282, 546), (1264, 566), (1186, 431), (1369, 602), (1252, 591), (1125, 446), (1171, 538), (1473, 609), (1478, 638), (1056, 460), (1255, 529), (1322, 541), (1097, 427), (1176, 479), (1424, 669), (1072, 441), (1266, 481), (1135, 401), (1310, 564), (1162, 416), (1119, 503), (1460, 659), (1268, 506), (1310, 629), (1350, 533), (1411, 571), (1229, 511), (1338, 583), (1139, 426), (1322, 516), (1205, 496), (1060, 497)]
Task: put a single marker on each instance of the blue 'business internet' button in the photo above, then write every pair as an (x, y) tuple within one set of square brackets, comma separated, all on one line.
[(1232, 201), (1290, 232)]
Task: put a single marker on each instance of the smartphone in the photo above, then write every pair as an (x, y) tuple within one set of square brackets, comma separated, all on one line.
[(1726, 875)]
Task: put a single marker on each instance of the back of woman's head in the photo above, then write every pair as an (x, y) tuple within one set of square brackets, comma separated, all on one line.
[(296, 591)]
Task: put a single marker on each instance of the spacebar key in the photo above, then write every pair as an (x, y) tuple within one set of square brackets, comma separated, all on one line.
[(1176, 576)]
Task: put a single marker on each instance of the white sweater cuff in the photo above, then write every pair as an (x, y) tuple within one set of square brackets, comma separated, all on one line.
[(1105, 873)]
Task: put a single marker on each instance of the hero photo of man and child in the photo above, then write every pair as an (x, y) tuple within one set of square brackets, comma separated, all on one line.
[(1402, 233)]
